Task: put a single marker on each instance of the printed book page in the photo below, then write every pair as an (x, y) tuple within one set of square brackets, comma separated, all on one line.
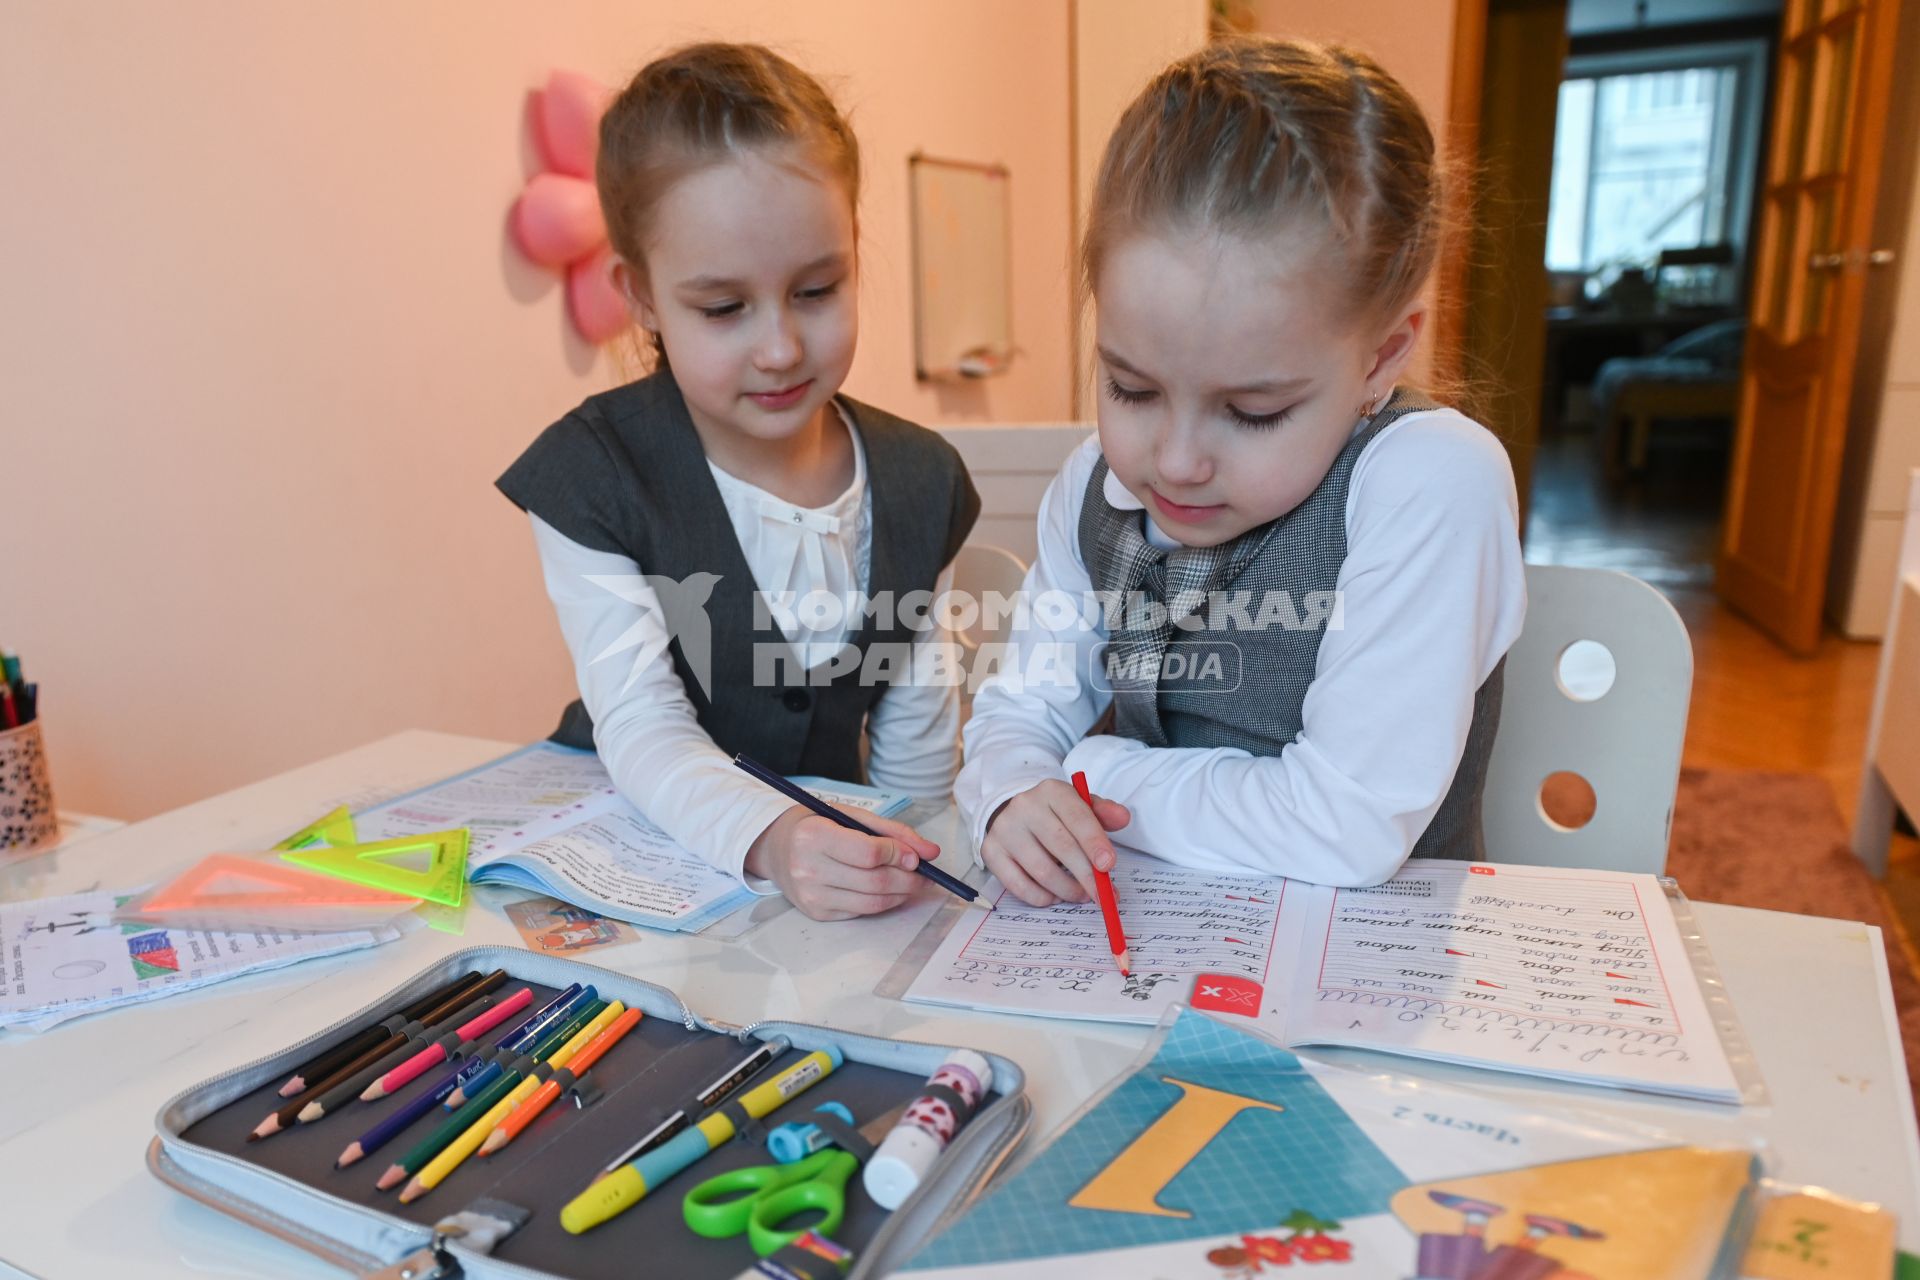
[(1579, 975), (548, 818), (619, 864), (530, 793)]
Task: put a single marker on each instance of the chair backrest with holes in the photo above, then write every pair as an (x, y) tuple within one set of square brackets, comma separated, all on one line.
[(980, 570), (1597, 688)]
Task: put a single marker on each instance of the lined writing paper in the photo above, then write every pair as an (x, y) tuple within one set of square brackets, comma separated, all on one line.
[(1056, 961), (1579, 975)]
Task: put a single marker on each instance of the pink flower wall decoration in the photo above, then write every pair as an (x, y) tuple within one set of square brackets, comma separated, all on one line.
[(556, 221)]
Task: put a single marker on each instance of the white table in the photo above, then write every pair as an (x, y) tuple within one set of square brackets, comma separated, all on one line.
[(77, 1103)]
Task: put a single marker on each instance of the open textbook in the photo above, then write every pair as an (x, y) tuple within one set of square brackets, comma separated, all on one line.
[(1575, 975), (548, 818)]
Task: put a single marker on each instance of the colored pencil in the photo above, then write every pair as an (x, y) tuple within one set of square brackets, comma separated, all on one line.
[(529, 1110), (436, 1053), (398, 1050), (364, 1039), (280, 1119), (1109, 904), (437, 1169), (560, 1008), (416, 1159), (404, 1116)]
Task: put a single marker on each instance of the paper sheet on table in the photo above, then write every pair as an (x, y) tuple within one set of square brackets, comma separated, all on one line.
[(64, 957)]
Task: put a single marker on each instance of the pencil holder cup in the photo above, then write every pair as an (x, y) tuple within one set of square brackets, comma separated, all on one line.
[(27, 817)]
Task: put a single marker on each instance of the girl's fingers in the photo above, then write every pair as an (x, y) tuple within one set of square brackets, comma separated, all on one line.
[(1064, 847), (828, 903), (906, 835), (1029, 848), (1018, 882), (885, 881), (1089, 837), (1112, 814), (848, 860)]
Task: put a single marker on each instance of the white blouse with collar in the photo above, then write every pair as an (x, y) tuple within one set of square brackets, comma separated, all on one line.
[(644, 724)]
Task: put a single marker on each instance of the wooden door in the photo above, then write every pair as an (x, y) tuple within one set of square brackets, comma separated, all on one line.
[(1822, 172)]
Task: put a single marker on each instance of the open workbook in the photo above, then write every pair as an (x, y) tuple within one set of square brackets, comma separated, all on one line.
[(1568, 974), (548, 818)]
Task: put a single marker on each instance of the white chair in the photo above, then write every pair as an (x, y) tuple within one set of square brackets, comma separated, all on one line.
[(980, 570), (1596, 686), (1890, 773)]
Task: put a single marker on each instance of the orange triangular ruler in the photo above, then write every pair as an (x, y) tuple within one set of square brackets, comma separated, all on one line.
[(230, 881)]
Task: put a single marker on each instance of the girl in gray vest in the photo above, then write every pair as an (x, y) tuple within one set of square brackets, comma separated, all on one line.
[(1290, 581), (730, 543)]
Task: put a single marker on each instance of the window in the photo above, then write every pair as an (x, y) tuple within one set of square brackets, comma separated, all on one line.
[(1654, 150)]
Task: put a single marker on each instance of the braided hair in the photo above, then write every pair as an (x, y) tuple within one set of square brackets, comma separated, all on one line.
[(697, 106), (1254, 136)]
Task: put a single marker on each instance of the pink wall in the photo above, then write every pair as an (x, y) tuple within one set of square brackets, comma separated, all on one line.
[(1412, 39), (263, 346)]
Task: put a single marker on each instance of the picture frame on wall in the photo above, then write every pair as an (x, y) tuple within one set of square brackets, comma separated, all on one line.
[(962, 268)]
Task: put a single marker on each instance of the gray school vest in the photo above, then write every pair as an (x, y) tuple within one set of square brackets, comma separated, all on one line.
[(625, 473), (1232, 677)]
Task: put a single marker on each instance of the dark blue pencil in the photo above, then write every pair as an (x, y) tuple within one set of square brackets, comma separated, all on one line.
[(384, 1132), (799, 795)]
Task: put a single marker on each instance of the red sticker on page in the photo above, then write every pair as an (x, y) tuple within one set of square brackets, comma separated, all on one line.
[(1227, 993)]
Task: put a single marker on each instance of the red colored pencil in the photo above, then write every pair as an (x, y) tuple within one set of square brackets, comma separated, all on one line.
[(1109, 905)]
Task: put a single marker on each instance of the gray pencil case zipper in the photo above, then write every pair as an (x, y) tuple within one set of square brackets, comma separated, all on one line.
[(370, 1241)]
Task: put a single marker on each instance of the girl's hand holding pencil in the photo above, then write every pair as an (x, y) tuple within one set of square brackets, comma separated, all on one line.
[(1046, 842), (832, 873)]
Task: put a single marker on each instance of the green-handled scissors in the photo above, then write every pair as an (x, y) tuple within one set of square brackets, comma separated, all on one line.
[(759, 1199)]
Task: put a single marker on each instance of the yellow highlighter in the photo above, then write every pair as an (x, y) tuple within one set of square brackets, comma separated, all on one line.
[(476, 1133), (629, 1184)]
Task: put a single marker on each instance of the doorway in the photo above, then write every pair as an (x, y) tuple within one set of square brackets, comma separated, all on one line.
[(1660, 116)]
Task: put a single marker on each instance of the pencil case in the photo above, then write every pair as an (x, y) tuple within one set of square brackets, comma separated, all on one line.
[(500, 1216)]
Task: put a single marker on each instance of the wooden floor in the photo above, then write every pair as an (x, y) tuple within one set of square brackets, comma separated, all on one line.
[(1754, 706)]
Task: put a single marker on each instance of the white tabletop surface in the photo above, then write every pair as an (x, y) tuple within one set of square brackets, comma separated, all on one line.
[(78, 1102)]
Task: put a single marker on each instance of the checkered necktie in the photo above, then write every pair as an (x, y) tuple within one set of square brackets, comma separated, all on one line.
[(1138, 643)]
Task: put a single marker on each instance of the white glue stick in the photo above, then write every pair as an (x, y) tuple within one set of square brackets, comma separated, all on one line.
[(925, 1129)]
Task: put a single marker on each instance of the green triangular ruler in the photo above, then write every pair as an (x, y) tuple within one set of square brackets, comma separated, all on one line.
[(442, 918), (335, 829), (444, 880)]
